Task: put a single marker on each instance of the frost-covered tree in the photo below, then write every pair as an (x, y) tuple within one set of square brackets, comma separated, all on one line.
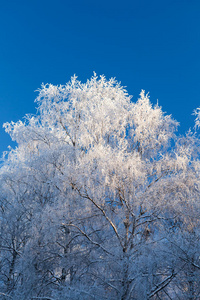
[(100, 199)]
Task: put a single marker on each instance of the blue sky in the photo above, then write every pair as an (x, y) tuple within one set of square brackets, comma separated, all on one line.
[(151, 45)]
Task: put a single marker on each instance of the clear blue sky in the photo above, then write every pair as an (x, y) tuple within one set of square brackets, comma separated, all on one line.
[(151, 45)]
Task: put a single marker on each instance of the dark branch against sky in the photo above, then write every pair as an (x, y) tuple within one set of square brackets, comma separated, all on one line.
[(150, 45)]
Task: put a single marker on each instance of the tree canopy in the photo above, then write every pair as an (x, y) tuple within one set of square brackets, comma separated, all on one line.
[(100, 199)]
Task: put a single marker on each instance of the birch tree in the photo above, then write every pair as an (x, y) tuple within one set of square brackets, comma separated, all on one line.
[(110, 194)]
